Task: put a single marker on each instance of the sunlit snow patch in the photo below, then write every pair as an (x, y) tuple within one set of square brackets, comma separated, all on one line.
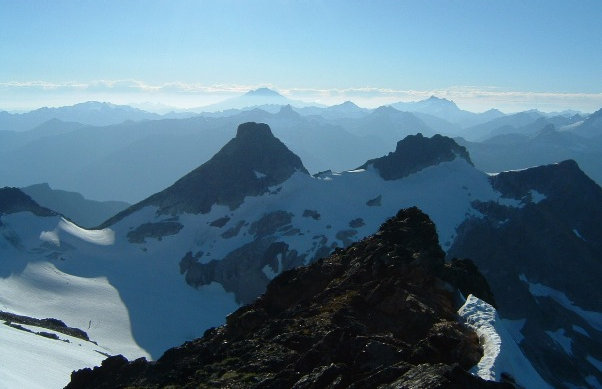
[(29, 360), (50, 237), (500, 353), (104, 237)]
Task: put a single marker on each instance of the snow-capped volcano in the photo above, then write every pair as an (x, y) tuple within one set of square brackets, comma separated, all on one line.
[(261, 97), (182, 259)]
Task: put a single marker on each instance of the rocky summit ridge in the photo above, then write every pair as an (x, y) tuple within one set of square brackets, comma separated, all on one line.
[(380, 313), (414, 153), (247, 165), (14, 200)]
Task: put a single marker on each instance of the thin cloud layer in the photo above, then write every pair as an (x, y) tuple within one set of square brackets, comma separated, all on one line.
[(33, 94)]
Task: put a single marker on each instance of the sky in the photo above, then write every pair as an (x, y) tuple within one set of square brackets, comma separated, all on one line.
[(511, 55)]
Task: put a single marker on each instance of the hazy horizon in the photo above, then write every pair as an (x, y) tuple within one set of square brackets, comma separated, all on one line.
[(161, 108), (509, 55)]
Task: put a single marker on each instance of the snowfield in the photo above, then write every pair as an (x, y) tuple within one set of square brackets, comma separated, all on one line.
[(501, 354), (33, 361), (125, 292)]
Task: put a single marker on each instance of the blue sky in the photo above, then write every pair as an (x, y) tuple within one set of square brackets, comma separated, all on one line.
[(506, 54)]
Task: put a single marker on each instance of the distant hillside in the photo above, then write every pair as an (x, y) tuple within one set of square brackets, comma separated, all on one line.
[(92, 113), (83, 212)]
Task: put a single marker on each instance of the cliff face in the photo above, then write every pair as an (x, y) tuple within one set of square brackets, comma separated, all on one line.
[(381, 312)]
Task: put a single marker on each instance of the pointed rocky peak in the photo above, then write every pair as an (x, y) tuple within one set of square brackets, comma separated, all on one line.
[(493, 111), (597, 114), (13, 200), (346, 106), (591, 126), (385, 110), (346, 109), (287, 111), (381, 313), (416, 152), (595, 119), (440, 100), (247, 165)]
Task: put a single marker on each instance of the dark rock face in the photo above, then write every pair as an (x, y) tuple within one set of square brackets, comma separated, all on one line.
[(414, 153), (13, 200), (375, 202), (270, 223), (246, 166), (373, 314), (240, 272), (15, 320), (153, 230), (554, 240), (311, 213)]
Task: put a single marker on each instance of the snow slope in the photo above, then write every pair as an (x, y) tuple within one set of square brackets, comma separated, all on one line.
[(124, 291), (501, 354), (32, 361)]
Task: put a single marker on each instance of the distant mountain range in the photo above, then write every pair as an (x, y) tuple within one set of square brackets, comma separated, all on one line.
[(90, 113), (448, 110), (132, 159)]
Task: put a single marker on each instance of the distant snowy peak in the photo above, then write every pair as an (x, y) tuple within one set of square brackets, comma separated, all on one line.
[(262, 97), (441, 102), (432, 105), (248, 165), (447, 110), (591, 126), (13, 200), (414, 153), (264, 92)]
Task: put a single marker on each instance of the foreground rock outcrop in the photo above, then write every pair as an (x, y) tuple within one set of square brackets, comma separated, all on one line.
[(381, 313)]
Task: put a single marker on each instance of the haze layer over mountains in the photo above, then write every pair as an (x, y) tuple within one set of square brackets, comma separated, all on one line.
[(109, 152)]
